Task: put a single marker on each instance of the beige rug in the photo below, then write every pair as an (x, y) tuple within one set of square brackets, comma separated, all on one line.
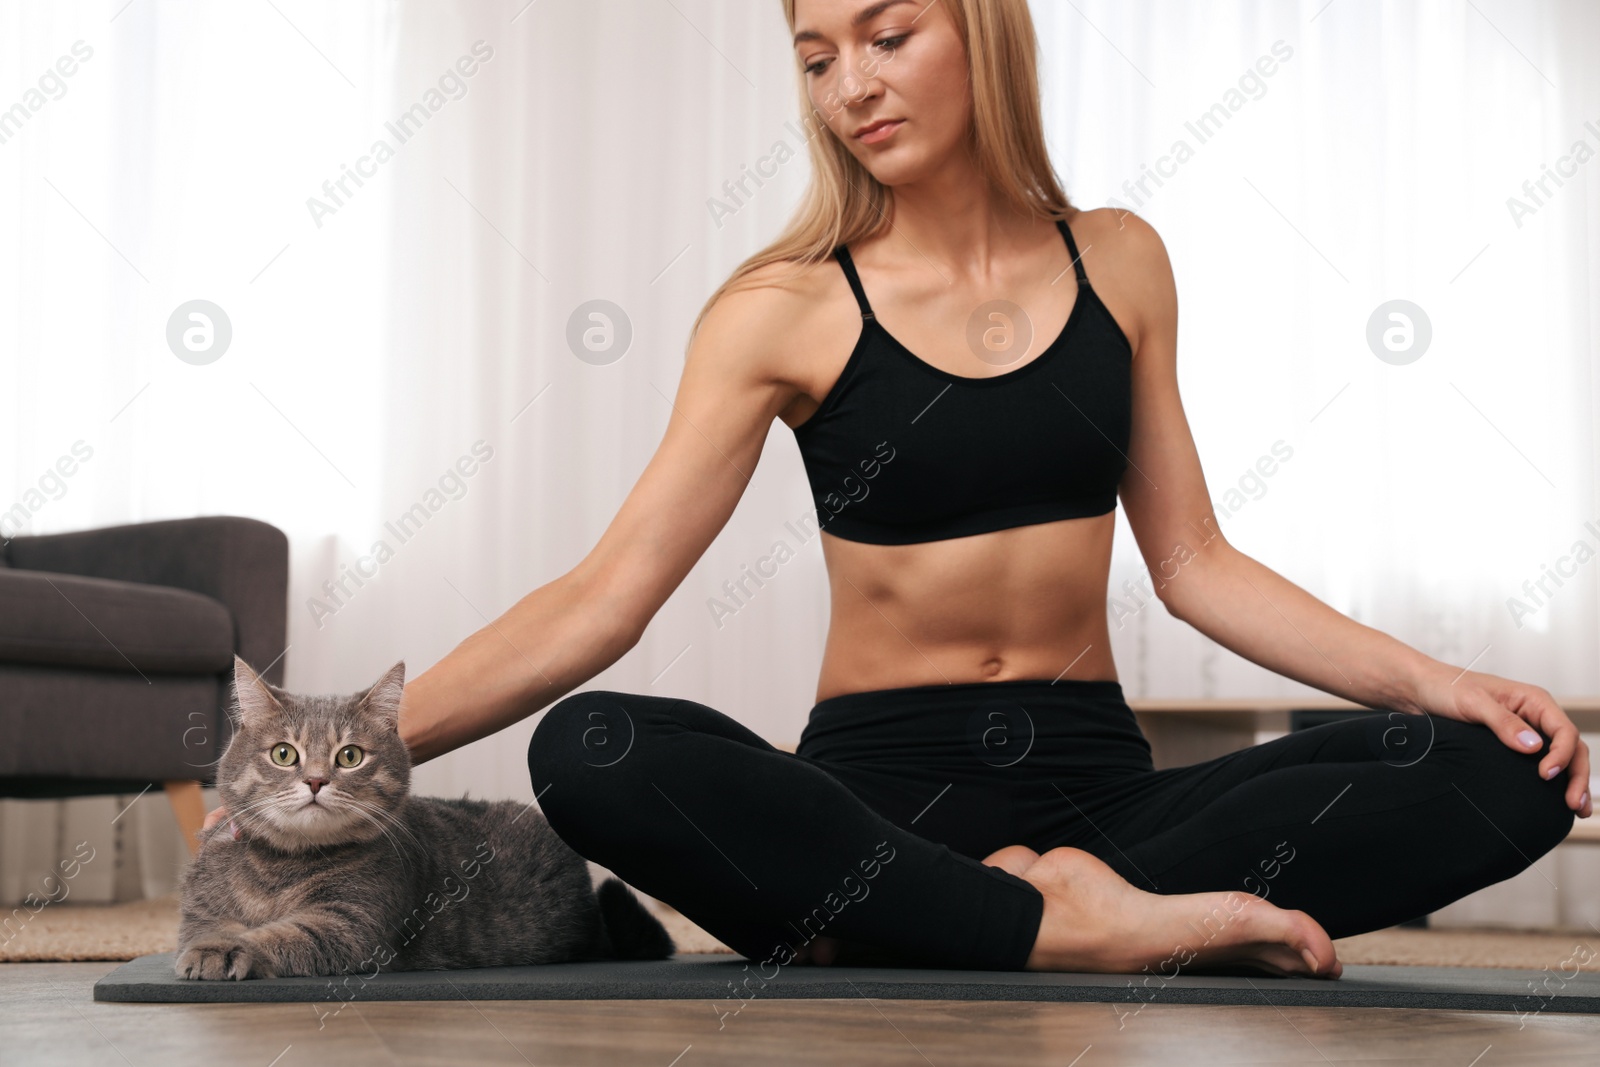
[(1522, 949), (123, 931), (90, 931)]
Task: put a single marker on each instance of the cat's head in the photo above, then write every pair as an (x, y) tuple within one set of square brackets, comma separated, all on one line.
[(305, 772)]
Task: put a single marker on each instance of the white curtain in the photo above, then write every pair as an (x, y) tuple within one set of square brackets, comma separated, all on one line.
[(1335, 157)]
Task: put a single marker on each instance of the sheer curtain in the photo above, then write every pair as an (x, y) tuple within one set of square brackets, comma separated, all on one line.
[(398, 311)]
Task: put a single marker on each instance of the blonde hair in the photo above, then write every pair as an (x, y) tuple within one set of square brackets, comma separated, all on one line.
[(845, 203)]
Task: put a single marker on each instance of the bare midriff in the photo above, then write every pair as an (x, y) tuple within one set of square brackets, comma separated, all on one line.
[(1021, 603)]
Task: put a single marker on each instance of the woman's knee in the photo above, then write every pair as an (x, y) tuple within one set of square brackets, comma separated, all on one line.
[(586, 768), (600, 729), (1504, 784), (594, 729)]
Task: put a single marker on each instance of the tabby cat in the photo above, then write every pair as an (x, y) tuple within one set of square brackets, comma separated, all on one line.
[(336, 869)]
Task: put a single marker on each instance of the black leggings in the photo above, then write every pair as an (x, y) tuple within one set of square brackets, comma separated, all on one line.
[(872, 832)]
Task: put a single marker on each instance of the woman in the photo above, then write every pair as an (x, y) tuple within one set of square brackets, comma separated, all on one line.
[(971, 789)]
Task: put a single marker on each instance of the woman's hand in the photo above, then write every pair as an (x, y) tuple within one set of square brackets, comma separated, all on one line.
[(213, 817), (1510, 709)]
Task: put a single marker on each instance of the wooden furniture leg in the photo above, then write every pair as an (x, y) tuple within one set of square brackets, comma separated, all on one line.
[(189, 808)]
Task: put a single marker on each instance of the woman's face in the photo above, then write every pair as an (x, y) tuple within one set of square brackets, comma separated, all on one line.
[(894, 62)]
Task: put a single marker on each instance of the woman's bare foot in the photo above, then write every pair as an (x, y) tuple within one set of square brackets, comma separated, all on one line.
[(1013, 858), (1094, 920)]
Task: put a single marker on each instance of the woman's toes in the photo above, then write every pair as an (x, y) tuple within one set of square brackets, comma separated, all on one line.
[(1014, 859)]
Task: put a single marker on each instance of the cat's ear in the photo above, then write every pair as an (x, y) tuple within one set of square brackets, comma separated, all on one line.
[(253, 699), (383, 699)]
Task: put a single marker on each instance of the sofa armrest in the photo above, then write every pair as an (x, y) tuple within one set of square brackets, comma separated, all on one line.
[(242, 562)]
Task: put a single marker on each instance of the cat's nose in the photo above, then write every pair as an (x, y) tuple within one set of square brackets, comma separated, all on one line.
[(316, 784)]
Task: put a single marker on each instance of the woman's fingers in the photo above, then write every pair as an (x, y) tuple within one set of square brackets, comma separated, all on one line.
[(1541, 709), (1567, 748), (1512, 729), (1563, 744), (1578, 781), (214, 816)]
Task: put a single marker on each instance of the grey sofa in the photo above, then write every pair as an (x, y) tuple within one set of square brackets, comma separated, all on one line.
[(116, 652)]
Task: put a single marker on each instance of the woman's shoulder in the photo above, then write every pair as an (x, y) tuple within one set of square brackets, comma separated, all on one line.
[(1114, 227), (1122, 240), (785, 288), (779, 311), (1127, 264)]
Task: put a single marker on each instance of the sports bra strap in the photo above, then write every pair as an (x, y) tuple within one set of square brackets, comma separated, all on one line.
[(843, 255), (1072, 246)]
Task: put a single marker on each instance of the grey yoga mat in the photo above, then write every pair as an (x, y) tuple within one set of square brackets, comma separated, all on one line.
[(729, 981)]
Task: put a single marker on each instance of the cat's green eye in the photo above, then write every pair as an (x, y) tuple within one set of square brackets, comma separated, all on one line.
[(349, 756), (285, 755)]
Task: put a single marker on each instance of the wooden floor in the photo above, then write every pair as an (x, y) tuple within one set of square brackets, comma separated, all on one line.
[(48, 1016)]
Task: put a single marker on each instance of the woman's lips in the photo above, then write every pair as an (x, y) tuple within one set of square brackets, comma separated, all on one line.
[(881, 133)]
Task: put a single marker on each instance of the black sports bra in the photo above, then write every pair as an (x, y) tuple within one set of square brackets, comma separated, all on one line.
[(900, 451)]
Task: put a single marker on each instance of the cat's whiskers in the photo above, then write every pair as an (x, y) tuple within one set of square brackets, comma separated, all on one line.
[(268, 813), (366, 806), (378, 816), (251, 809), (335, 835), (390, 838)]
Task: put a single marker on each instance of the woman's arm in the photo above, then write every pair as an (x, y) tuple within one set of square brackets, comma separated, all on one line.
[(1256, 612), (568, 630), (734, 383)]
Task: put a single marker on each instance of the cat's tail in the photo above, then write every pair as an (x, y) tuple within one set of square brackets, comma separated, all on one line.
[(635, 934)]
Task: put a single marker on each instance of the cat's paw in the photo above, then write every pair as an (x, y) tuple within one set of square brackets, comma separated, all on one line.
[(218, 960)]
